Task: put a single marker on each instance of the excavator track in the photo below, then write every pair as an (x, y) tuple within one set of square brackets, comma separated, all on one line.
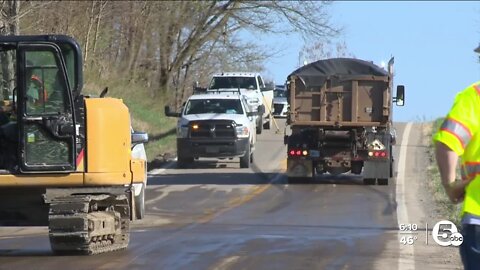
[(89, 224)]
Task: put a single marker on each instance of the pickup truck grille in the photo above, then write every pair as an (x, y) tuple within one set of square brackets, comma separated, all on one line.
[(213, 129)]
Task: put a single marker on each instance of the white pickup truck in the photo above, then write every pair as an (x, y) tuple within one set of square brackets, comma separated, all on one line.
[(215, 125), (253, 87)]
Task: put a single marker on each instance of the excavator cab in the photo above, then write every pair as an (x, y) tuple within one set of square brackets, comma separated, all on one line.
[(67, 161), (38, 133)]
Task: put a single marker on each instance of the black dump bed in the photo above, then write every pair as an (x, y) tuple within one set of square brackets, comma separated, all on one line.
[(340, 92)]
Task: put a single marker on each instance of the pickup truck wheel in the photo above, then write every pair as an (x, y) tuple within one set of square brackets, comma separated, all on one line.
[(246, 159), (369, 181), (268, 125), (259, 125), (270, 118)]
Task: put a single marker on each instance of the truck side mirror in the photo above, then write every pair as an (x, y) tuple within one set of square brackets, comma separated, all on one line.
[(139, 137), (169, 113), (197, 88), (261, 110), (400, 98)]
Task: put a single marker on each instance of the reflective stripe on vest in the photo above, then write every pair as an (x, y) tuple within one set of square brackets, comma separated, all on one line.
[(470, 170), (477, 87), (458, 130)]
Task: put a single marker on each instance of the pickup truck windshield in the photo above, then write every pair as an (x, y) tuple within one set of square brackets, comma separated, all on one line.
[(280, 93), (223, 106), (233, 82)]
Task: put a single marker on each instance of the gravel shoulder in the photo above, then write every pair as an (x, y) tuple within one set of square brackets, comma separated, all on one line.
[(426, 203)]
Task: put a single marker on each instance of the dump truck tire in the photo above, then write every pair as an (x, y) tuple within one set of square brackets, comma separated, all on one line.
[(382, 181), (369, 181)]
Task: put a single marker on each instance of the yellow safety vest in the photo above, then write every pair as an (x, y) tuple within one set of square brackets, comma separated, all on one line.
[(460, 131)]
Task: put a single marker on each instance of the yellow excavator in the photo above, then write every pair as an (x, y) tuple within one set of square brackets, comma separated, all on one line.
[(67, 160)]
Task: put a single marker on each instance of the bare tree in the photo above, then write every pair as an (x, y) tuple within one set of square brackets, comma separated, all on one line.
[(190, 28), (173, 43), (139, 41), (89, 30), (322, 50), (9, 21)]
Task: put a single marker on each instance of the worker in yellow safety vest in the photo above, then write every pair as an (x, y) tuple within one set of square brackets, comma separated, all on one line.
[(459, 136)]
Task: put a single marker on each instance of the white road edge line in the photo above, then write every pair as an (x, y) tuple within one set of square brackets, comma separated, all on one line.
[(159, 171), (406, 253)]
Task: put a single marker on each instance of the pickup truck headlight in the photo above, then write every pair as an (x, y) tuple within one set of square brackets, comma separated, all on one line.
[(242, 132), (182, 131)]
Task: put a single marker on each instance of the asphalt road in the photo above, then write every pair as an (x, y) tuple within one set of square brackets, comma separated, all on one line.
[(218, 216)]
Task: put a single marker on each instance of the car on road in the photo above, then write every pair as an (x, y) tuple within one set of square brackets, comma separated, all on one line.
[(215, 125), (280, 103)]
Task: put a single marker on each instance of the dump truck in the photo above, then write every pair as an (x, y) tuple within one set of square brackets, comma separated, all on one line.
[(66, 159), (340, 119)]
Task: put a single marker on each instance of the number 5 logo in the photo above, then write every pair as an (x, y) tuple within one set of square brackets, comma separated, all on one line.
[(445, 234)]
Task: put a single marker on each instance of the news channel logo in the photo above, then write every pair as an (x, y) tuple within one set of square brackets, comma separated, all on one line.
[(445, 233)]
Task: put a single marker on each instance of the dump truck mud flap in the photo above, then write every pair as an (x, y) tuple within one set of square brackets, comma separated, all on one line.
[(299, 168), (376, 169)]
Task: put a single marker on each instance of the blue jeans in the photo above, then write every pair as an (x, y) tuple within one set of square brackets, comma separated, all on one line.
[(470, 248)]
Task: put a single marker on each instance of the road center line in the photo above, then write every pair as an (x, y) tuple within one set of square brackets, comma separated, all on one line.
[(237, 201), (406, 252)]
